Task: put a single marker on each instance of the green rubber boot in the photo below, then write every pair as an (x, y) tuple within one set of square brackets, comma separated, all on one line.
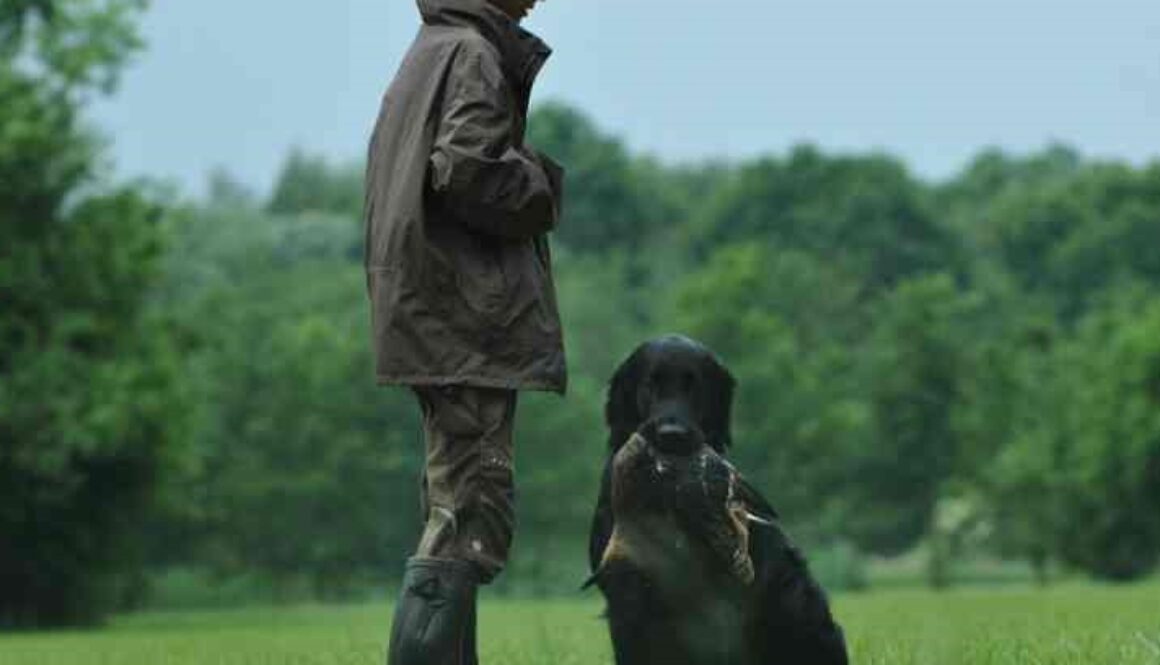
[(434, 620)]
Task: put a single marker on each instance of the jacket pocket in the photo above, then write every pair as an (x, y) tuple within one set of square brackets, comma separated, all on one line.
[(481, 279), (537, 291)]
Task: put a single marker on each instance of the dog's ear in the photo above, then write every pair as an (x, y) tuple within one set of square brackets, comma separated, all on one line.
[(719, 413), (621, 411)]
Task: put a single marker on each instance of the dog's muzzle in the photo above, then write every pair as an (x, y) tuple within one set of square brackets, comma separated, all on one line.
[(672, 436)]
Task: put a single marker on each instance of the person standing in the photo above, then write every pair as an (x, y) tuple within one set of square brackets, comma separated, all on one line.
[(463, 306)]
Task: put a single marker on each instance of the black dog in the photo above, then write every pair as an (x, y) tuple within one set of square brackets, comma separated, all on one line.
[(673, 599)]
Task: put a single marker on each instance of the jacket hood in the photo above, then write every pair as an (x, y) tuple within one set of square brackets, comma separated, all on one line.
[(518, 47)]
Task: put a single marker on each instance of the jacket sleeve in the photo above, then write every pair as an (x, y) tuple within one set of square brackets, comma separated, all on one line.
[(477, 167)]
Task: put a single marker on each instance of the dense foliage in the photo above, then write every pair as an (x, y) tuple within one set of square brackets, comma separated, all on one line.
[(90, 403), (907, 380)]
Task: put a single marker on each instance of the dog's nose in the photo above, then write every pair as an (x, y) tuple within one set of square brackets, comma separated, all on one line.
[(672, 436), (672, 429)]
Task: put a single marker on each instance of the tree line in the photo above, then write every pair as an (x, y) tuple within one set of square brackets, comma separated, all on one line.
[(965, 365)]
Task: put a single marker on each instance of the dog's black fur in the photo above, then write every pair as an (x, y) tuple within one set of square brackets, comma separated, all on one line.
[(673, 389)]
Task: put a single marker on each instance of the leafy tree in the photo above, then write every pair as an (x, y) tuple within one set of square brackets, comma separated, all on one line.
[(1078, 480), (866, 213), (782, 322), (90, 416), (307, 472), (606, 202), (1107, 430), (1004, 399), (311, 184), (915, 376), (1077, 229), (968, 199), (1118, 239), (1024, 485)]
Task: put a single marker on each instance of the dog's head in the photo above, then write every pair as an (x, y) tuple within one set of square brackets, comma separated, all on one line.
[(676, 392)]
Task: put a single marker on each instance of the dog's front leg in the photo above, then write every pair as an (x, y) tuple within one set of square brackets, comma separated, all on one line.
[(638, 620)]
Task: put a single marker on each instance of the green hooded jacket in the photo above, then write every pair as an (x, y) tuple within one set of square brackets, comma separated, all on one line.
[(457, 211)]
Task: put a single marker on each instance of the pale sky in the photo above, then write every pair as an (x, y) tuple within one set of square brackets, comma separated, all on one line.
[(237, 83)]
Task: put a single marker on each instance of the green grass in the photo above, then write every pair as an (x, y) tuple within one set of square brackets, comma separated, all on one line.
[(1076, 624)]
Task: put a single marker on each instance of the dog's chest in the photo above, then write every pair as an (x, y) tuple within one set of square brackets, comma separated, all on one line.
[(703, 605)]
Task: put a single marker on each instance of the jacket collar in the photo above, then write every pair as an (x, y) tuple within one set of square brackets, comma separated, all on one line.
[(521, 51)]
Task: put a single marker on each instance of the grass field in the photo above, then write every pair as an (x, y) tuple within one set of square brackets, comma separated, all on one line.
[(1080, 625)]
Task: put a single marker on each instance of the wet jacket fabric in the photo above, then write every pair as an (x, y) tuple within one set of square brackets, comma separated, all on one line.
[(457, 211)]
